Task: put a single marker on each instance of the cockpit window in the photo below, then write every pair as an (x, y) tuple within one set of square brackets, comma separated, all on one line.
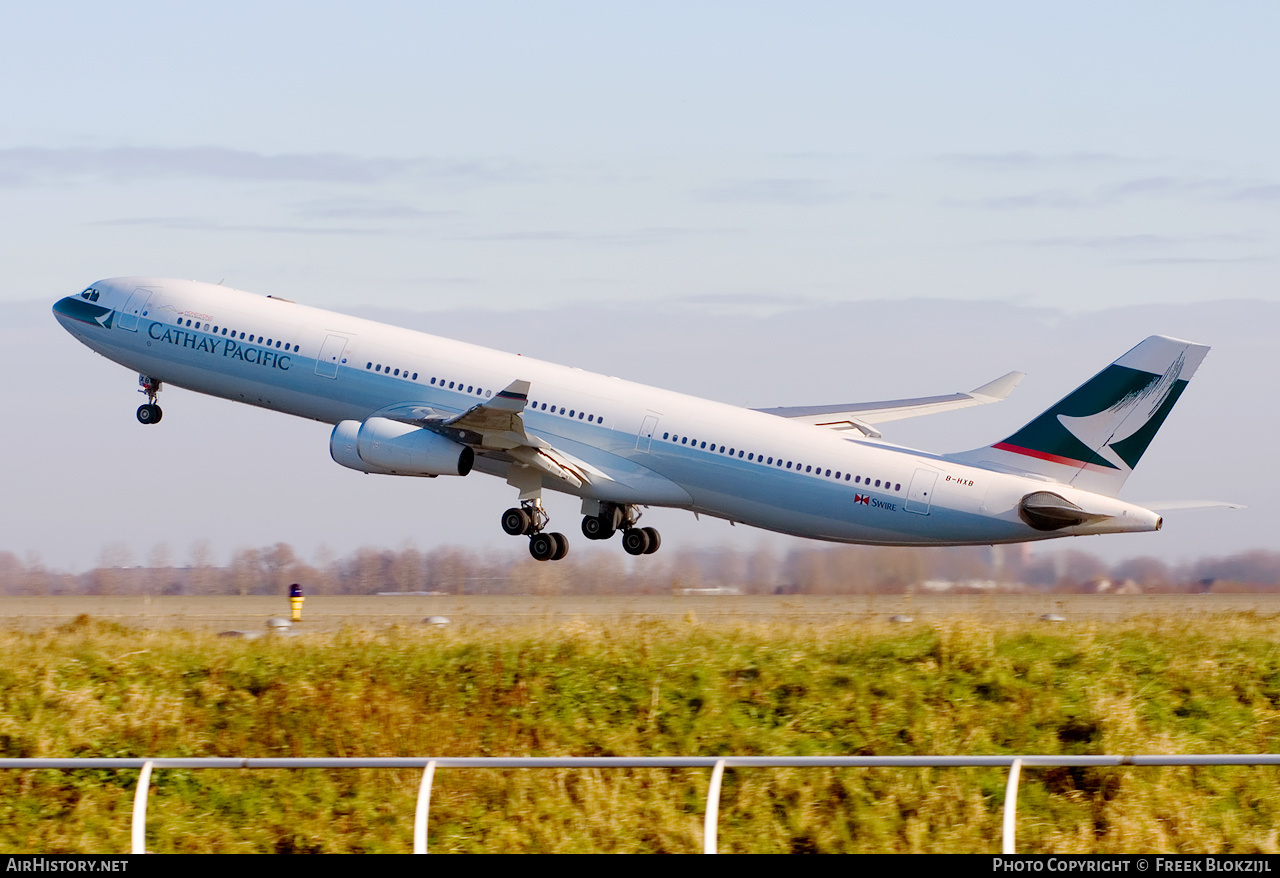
[(90, 295)]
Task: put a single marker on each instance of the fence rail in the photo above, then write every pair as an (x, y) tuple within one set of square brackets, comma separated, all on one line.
[(718, 765)]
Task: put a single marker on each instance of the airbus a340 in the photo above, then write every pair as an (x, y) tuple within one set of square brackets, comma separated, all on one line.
[(410, 404)]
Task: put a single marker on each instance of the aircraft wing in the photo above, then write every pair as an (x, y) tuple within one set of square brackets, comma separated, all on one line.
[(495, 428), (861, 416)]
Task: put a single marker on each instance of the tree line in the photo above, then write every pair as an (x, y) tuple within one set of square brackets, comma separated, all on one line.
[(804, 570)]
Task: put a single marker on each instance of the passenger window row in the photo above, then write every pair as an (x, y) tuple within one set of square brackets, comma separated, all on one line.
[(396, 373), (794, 466), (470, 388), (590, 419), (459, 386), (216, 330)]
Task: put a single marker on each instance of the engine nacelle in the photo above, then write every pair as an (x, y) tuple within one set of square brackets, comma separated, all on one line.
[(342, 448), (384, 446), (1045, 510)]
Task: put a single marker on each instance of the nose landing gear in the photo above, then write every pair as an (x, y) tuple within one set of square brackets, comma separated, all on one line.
[(150, 413)]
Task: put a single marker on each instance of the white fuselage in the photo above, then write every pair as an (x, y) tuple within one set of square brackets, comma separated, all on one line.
[(649, 446)]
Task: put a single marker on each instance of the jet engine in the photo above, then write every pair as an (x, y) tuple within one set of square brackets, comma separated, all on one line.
[(387, 447), (1045, 510)]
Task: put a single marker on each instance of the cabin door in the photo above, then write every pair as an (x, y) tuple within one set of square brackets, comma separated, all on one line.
[(647, 429), (134, 308), (920, 494), (331, 356)]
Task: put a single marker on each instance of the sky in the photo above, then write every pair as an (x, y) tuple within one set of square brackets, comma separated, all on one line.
[(761, 203)]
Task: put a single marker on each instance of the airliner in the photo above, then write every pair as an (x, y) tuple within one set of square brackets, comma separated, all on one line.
[(406, 403)]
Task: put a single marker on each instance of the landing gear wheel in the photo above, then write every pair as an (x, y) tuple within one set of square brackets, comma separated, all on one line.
[(543, 547), (515, 521), (655, 540), (150, 412), (595, 527), (635, 541), (562, 546)]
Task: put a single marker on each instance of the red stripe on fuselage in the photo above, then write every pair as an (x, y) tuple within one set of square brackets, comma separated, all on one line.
[(1053, 458)]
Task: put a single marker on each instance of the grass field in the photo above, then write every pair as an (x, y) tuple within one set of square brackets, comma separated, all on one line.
[(333, 613), (1176, 683)]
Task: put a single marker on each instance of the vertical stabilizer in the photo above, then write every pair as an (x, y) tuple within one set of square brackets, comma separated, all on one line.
[(1094, 437)]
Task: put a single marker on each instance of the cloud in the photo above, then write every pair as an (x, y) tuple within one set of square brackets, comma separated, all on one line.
[(439, 280), (626, 238), (1166, 185), (1196, 260), (738, 300), (1129, 247), (29, 166), (1139, 188), (798, 192), (1052, 200), (1126, 244), (1264, 192), (322, 212), (1019, 159), (192, 224), (366, 209), (1144, 241)]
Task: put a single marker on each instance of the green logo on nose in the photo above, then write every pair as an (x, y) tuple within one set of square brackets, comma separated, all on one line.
[(84, 312)]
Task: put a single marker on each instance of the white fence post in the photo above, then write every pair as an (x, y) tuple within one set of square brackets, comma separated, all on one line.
[(145, 765), (139, 832), (420, 813), (713, 809), (1010, 807)]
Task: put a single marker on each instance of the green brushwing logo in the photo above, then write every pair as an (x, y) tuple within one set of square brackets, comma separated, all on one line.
[(1108, 422), (84, 312)]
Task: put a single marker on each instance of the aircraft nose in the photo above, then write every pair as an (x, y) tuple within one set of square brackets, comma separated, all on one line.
[(73, 310), (62, 309)]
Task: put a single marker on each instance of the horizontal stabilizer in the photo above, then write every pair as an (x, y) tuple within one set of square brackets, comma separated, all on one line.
[(1176, 505)]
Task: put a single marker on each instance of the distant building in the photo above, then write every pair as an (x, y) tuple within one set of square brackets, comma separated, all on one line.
[(945, 585), (1102, 585)]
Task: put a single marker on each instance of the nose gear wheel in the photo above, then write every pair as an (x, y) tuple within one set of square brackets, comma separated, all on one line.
[(149, 413)]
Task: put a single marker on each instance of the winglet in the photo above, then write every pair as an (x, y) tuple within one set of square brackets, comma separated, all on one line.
[(995, 391)]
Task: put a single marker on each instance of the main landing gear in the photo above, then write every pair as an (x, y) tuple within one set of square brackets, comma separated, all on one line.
[(529, 519), (150, 413), (609, 518), (600, 522)]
